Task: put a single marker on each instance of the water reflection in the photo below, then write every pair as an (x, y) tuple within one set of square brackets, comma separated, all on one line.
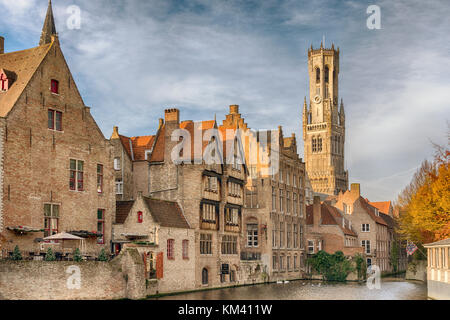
[(391, 289)]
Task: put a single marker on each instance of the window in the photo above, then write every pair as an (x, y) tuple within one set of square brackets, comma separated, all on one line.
[(231, 216), (274, 235), (369, 262), (310, 246), (99, 178), (319, 144), (209, 212), (54, 120), (140, 217), (366, 245), (288, 262), (119, 186), (205, 243), (365, 227), (185, 249), (295, 235), (116, 163), (281, 262), (51, 217), (211, 184), (54, 86), (317, 75), (229, 245), (288, 238), (252, 197), (274, 199), (295, 262), (326, 74), (314, 144), (301, 236), (205, 276), (281, 234), (288, 202), (76, 175), (281, 175), (274, 262), (170, 246), (234, 189), (295, 206), (101, 226), (252, 235), (281, 201)]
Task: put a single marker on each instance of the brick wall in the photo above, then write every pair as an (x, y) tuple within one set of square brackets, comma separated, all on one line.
[(122, 277)]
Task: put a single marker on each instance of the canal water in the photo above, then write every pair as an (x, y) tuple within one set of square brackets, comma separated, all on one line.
[(390, 289)]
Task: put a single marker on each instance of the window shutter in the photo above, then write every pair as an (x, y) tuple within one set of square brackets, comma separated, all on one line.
[(159, 265)]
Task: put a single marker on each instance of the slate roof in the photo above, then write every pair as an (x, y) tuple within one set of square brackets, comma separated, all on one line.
[(122, 210), (165, 213), (445, 242)]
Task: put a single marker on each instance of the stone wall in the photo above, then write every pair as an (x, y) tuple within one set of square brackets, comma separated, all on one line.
[(123, 277), (417, 270)]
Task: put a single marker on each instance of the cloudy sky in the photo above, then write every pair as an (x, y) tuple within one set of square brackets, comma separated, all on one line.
[(133, 58)]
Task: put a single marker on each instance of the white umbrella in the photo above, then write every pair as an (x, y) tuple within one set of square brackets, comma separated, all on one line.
[(66, 236)]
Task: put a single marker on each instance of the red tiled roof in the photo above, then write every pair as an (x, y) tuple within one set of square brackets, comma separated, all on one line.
[(138, 146), (371, 211), (382, 206), (329, 216)]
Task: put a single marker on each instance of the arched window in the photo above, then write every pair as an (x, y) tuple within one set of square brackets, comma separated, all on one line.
[(327, 74), (205, 276), (314, 144), (319, 144), (317, 75)]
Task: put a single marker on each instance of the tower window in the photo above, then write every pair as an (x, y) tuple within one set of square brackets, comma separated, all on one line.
[(319, 144), (326, 74), (314, 144), (317, 75)]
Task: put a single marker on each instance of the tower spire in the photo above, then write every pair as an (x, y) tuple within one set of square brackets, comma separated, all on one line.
[(49, 29)]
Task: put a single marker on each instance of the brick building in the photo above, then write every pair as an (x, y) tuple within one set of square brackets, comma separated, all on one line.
[(372, 229), (210, 193), (329, 230), (274, 224), (55, 167), (162, 235)]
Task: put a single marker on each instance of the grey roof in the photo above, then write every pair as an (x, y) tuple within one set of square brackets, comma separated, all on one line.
[(445, 242)]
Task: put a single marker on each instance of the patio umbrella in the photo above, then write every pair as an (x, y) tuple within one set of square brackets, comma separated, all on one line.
[(66, 236)]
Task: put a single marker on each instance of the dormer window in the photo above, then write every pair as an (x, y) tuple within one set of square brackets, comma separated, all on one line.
[(6, 79), (140, 217), (54, 87)]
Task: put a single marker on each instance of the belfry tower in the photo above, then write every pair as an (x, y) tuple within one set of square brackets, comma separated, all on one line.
[(324, 123)]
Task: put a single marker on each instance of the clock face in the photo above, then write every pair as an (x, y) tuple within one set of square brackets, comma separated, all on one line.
[(317, 99)]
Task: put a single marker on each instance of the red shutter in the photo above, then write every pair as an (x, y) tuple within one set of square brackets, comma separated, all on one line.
[(159, 265)]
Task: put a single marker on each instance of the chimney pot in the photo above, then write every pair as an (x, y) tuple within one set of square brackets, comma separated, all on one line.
[(234, 108), (172, 115)]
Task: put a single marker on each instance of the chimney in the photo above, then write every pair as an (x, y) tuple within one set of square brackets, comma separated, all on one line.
[(234, 108), (172, 115), (2, 45), (355, 188), (115, 134), (317, 214)]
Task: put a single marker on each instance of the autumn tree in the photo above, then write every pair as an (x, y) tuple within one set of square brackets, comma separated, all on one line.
[(424, 205)]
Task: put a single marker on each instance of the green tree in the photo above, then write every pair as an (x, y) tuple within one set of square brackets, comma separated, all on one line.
[(16, 254), (50, 256), (77, 255), (333, 267), (102, 256), (361, 266), (394, 256)]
